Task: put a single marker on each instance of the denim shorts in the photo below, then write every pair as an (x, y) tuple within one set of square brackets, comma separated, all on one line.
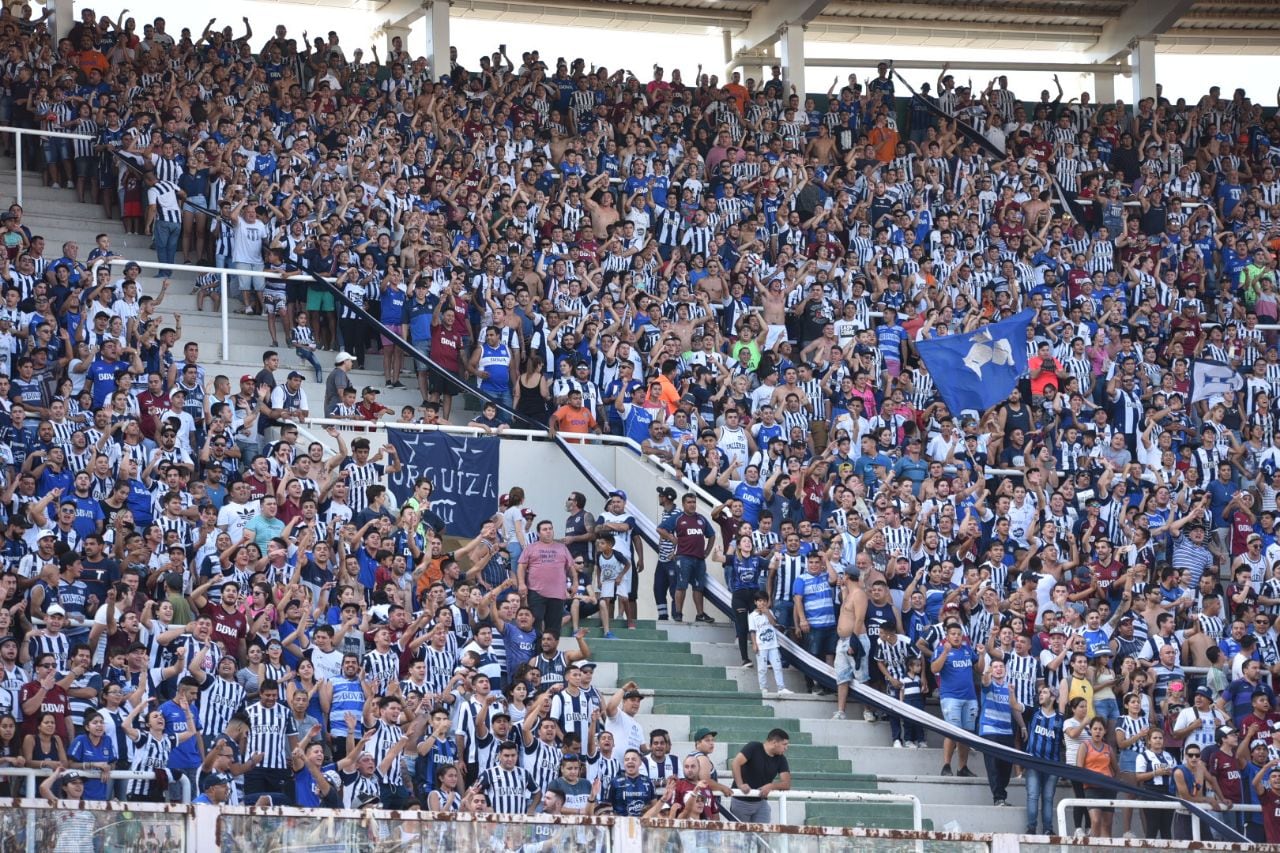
[(691, 572), (1108, 709), (962, 713)]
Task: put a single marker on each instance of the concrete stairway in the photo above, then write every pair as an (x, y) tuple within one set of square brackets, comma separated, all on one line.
[(58, 217), (693, 674)]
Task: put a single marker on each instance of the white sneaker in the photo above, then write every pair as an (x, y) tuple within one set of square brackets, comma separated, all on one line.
[(1079, 833), (782, 691), (868, 716), (746, 664), (55, 186), (838, 715), (897, 744), (765, 694), (911, 744), (924, 744)]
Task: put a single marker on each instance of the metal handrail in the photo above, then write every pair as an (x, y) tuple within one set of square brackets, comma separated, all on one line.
[(1161, 805), (32, 773), (917, 810), (24, 131)]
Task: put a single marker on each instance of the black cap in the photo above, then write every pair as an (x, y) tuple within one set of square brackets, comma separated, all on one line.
[(667, 492)]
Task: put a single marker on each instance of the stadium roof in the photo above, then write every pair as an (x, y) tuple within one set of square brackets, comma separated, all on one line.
[(1099, 30)]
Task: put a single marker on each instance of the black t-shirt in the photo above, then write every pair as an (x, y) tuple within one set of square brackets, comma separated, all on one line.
[(761, 768)]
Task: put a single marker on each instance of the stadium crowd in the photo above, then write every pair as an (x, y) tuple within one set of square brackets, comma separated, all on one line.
[(733, 275)]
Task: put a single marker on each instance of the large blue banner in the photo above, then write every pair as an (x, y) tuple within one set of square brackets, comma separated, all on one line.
[(463, 470)]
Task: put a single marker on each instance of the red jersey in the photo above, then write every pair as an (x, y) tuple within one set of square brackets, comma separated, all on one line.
[(1270, 815), (445, 349), (229, 629), (54, 702), (1226, 770), (258, 489), (1106, 575), (151, 406)]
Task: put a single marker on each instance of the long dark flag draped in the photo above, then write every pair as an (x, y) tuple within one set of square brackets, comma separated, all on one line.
[(971, 133), (823, 673)]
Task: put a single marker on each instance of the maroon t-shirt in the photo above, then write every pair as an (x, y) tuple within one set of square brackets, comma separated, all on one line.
[(1227, 771), (54, 701), (228, 628)]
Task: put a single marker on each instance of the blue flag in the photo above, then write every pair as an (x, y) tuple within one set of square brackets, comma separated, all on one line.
[(978, 369), (463, 469)]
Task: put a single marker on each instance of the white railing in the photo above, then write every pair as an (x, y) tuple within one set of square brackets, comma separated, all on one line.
[(223, 272), (1159, 805), (784, 797), (33, 773), (20, 132)]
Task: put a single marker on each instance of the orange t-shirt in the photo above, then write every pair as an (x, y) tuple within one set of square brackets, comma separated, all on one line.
[(739, 93), (885, 141), (1049, 377), (569, 419), (670, 394)]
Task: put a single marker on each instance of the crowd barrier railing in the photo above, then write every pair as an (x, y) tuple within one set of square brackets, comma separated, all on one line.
[(20, 132), (241, 829), (1067, 803)]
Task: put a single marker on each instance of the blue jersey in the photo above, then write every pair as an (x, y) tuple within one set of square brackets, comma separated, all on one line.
[(631, 796), (186, 755), (752, 498), (496, 361), (745, 572), (955, 681), (636, 423), (1044, 735), (997, 710), (818, 599), (391, 306)]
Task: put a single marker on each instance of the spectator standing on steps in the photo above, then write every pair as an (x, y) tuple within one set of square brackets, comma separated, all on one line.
[(953, 665), (546, 572), (758, 770), (694, 536), (337, 380), (1001, 710)]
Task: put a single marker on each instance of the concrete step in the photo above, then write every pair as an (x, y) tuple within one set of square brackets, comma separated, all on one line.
[(951, 790)]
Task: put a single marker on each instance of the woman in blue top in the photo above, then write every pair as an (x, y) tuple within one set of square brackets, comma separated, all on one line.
[(743, 571), (94, 751)]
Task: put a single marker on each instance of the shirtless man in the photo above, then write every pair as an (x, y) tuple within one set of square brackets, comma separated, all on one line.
[(774, 303), (603, 213), (851, 627), (822, 148), (789, 385)]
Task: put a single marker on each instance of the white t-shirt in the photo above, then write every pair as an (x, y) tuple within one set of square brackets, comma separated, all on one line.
[(627, 733), (1209, 721), (233, 517), (766, 635)]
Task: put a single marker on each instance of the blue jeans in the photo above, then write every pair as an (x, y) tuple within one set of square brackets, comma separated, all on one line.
[(1041, 787), (166, 236)]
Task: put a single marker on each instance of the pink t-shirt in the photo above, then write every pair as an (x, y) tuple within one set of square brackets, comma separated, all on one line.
[(547, 568)]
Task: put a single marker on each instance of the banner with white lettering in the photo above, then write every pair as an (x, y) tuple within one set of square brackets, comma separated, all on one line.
[(462, 469)]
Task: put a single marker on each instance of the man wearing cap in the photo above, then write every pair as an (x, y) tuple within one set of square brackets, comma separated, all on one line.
[(1198, 723), (215, 789), (337, 380)]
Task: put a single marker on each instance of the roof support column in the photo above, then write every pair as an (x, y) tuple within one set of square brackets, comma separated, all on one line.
[(1104, 88), (64, 18), (437, 21), (1142, 61), (791, 42)]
